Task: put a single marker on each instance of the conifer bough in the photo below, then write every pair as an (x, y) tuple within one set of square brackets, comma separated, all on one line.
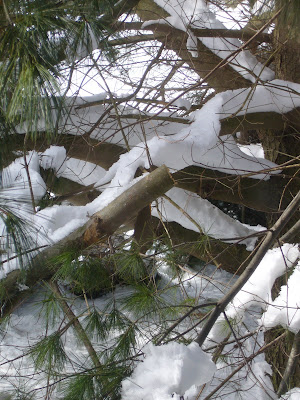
[(99, 228)]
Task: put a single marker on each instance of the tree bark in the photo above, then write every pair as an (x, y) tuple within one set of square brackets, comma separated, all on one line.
[(101, 225), (175, 39)]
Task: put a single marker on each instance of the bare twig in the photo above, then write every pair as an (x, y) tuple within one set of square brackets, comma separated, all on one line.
[(247, 360), (264, 246)]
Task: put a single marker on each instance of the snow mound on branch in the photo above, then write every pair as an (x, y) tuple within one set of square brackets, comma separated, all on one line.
[(213, 221), (168, 370), (293, 394), (254, 150), (257, 290), (54, 157), (198, 144), (76, 170), (274, 96), (15, 179), (196, 14)]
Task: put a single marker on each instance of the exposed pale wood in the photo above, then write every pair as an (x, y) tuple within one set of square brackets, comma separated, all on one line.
[(98, 228)]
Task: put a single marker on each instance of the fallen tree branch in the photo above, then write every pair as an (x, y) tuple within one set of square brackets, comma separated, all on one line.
[(98, 228), (210, 184)]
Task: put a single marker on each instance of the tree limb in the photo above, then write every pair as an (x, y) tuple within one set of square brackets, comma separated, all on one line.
[(258, 195), (101, 225), (242, 34)]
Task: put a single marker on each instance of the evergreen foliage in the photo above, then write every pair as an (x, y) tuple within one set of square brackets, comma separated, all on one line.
[(49, 353), (39, 42), (35, 38)]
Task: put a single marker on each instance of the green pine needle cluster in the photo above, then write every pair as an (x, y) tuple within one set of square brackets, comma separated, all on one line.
[(36, 37), (86, 274), (18, 234), (49, 353)]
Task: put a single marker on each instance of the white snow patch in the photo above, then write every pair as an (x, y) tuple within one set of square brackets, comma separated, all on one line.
[(54, 157), (253, 150), (257, 292), (15, 179), (172, 368), (285, 309), (212, 220), (196, 14)]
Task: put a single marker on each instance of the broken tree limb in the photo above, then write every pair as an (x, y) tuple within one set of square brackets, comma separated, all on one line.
[(99, 227), (127, 205)]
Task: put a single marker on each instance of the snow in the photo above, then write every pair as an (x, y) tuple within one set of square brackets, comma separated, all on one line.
[(54, 157), (285, 309), (162, 373), (293, 394), (15, 179), (253, 150), (80, 171), (168, 369), (196, 14), (275, 96), (171, 370), (213, 221), (196, 144), (256, 292), (174, 370), (182, 103)]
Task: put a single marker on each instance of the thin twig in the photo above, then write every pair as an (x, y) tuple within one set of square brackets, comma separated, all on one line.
[(264, 246), (248, 359)]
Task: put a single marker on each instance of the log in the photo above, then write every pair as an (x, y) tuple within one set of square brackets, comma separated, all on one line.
[(98, 228)]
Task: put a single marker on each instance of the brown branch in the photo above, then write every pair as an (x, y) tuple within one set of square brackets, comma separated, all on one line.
[(242, 34), (210, 184), (176, 39), (291, 365), (76, 324)]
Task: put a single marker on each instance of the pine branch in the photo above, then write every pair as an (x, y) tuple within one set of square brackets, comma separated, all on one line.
[(98, 229), (76, 324)]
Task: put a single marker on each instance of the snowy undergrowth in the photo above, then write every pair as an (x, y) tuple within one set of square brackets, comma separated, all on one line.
[(173, 370)]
